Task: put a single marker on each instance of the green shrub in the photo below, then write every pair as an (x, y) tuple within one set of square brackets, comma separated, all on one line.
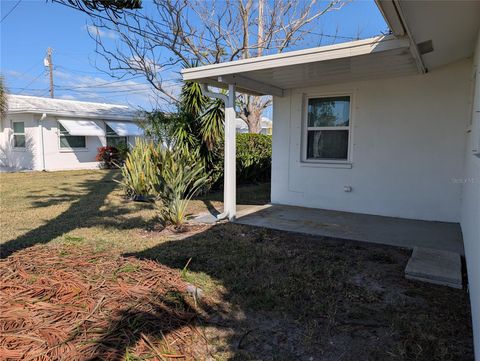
[(171, 177), (180, 178), (254, 160), (140, 170), (122, 151)]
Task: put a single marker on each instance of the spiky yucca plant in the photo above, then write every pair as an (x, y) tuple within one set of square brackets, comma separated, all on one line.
[(180, 179), (140, 170)]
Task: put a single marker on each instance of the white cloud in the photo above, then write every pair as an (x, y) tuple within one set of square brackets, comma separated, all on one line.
[(13, 73), (142, 63), (103, 33), (62, 75), (97, 89), (67, 97)]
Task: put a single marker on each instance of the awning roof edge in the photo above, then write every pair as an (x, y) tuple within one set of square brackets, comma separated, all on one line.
[(231, 72), (125, 129), (82, 127)]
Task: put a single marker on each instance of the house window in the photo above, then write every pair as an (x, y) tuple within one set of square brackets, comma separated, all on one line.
[(70, 141), (328, 129), (18, 134), (113, 139)]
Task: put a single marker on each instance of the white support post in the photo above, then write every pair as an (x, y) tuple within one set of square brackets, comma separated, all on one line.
[(230, 186), (230, 155)]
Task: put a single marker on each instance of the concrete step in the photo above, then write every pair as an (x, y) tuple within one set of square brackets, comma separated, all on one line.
[(435, 266)]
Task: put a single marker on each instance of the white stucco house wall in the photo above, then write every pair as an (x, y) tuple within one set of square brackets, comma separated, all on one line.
[(55, 134), (385, 126)]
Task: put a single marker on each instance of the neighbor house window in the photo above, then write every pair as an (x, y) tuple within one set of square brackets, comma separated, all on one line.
[(18, 134), (70, 141), (328, 128), (113, 139)]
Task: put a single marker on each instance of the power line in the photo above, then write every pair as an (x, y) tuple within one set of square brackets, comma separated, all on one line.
[(34, 79), (332, 36), (77, 71), (11, 10), (36, 64), (107, 84), (105, 91)]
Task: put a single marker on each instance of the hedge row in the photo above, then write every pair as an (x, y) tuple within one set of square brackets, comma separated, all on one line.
[(254, 160)]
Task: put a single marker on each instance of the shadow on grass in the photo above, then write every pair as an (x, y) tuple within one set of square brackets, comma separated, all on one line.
[(252, 194), (288, 296), (84, 210), (282, 296), (135, 331)]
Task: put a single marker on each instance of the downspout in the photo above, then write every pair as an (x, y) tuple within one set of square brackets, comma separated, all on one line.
[(42, 144), (229, 196)]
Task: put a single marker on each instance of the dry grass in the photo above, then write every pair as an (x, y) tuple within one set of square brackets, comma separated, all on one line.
[(37, 208), (268, 295), (67, 302)]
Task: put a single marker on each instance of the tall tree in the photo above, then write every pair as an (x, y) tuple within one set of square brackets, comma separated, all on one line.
[(157, 40)]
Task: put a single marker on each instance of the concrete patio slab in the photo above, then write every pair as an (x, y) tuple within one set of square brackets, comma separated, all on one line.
[(435, 266), (360, 227)]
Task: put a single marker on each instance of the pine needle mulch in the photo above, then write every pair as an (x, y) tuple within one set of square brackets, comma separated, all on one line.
[(70, 303)]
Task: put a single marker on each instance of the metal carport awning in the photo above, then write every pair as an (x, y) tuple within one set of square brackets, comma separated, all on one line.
[(378, 57), (125, 129), (82, 127)]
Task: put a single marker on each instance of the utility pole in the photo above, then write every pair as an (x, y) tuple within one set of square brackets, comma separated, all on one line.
[(48, 62), (260, 39)]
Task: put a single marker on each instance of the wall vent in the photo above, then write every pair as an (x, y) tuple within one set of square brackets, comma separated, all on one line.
[(425, 47)]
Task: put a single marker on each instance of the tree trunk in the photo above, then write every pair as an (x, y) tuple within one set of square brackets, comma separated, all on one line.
[(254, 120)]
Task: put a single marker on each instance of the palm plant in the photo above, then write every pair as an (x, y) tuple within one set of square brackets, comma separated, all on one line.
[(207, 114), (197, 126)]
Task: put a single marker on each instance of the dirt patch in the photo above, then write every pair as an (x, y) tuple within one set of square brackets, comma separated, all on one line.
[(288, 296), (186, 230), (70, 303)]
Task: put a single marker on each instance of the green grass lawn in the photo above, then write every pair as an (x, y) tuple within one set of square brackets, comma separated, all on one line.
[(48, 207), (268, 295)]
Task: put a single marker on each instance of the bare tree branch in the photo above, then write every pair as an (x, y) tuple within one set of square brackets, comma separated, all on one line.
[(175, 33)]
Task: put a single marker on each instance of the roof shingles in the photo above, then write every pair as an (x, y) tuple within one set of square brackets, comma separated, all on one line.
[(72, 108)]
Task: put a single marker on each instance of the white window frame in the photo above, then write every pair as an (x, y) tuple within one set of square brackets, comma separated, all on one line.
[(342, 163), (14, 134), (474, 124), (69, 149)]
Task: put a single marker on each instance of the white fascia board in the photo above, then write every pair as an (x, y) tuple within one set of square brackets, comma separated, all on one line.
[(393, 15), (323, 53), (389, 11)]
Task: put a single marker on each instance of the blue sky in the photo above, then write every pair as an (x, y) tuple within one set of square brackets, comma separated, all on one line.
[(35, 25)]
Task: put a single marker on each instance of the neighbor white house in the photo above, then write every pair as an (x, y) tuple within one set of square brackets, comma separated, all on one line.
[(384, 126), (55, 134), (265, 124)]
